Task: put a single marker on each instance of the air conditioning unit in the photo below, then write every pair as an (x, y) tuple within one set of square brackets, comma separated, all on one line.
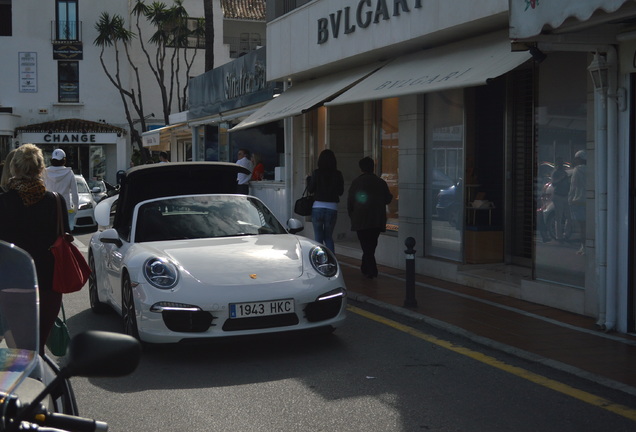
[(43, 110)]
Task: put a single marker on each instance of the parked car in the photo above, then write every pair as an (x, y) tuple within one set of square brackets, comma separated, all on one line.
[(98, 189), (187, 258), (85, 217), (448, 203)]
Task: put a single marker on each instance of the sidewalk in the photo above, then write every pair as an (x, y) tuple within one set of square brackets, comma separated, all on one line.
[(559, 339)]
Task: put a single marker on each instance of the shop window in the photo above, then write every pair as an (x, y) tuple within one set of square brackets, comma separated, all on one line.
[(68, 81), (388, 163), (6, 18), (266, 141), (444, 182), (561, 131), (67, 22)]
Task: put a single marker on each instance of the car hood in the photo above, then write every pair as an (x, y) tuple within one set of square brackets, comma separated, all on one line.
[(236, 260)]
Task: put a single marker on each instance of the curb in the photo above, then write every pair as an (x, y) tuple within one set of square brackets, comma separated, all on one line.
[(458, 331)]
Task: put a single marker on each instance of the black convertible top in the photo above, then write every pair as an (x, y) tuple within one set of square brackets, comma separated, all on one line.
[(173, 178)]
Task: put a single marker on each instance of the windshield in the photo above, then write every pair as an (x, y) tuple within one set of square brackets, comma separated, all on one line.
[(82, 187), (204, 216), (19, 320)]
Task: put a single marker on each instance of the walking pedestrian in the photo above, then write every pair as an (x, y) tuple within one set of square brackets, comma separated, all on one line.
[(366, 204), (58, 178), (28, 219), (326, 183)]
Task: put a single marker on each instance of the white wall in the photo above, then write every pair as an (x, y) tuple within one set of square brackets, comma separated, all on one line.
[(32, 32)]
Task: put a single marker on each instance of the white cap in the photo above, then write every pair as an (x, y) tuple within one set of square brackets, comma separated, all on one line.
[(58, 154)]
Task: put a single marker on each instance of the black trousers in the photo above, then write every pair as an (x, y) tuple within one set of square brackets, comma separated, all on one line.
[(368, 242), (243, 189)]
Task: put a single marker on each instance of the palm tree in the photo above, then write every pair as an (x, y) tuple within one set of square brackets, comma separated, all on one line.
[(112, 32)]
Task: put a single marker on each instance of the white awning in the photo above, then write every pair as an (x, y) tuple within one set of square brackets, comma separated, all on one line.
[(159, 139), (527, 19), (304, 96), (461, 64)]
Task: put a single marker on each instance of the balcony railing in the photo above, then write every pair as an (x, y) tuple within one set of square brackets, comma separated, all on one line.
[(66, 31)]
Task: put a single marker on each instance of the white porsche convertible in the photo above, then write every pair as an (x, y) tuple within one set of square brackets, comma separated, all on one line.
[(184, 258)]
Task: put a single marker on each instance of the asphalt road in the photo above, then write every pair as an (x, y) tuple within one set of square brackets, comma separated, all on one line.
[(381, 372)]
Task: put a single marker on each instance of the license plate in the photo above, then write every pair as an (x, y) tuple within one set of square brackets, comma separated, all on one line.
[(256, 309)]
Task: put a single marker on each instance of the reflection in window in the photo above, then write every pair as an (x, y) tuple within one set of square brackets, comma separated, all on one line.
[(389, 140), (443, 191), (68, 81), (561, 132)]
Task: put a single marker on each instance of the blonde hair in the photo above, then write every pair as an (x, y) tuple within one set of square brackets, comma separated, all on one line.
[(27, 162)]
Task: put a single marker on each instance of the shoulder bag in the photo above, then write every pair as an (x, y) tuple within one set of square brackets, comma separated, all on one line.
[(71, 271), (59, 337), (304, 204)]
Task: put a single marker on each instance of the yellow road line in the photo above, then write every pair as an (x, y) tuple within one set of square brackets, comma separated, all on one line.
[(583, 396)]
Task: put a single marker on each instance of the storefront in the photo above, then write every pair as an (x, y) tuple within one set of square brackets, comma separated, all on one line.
[(594, 44), (175, 140), (222, 98), (92, 149), (466, 127)]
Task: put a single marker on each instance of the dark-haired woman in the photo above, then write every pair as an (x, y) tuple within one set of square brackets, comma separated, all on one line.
[(327, 185)]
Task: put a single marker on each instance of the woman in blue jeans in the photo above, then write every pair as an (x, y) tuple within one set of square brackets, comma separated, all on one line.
[(327, 185)]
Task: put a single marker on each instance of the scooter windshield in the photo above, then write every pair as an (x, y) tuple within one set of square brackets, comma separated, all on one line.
[(19, 317)]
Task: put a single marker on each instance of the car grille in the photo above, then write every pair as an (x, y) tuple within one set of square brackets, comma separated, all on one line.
[(323, 310), (254, 323), (83, 221), (188, 322)]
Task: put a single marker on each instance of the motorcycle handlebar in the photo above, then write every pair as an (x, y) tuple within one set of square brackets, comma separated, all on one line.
[(71, 423)]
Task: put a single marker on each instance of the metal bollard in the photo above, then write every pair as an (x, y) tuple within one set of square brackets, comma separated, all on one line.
[(410, 272)]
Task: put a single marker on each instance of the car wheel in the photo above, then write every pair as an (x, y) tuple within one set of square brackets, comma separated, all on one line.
[(96, 305), (128, 309)]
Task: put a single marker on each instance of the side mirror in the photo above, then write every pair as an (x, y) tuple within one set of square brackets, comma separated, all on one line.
[(102, 354), (96, 189), (294, 226), (111, 236)]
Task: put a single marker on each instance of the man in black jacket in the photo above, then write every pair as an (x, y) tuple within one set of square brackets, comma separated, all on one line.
[(366, 204)]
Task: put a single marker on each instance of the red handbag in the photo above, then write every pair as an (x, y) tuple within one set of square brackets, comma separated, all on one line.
[(71, 271)]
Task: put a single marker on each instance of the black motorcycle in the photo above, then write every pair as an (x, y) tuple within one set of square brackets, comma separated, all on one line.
[(36, 394)]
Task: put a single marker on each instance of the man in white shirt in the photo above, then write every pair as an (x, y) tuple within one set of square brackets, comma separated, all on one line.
[(244, 179), (58, 178)]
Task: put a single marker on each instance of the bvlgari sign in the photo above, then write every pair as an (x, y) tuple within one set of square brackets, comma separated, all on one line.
[(367, 12)]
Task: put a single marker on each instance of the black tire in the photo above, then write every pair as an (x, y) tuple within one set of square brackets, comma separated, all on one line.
[(96, 305), (128, 314)]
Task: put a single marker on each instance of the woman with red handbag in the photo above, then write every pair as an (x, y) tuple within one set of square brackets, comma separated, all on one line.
[(28, 219)]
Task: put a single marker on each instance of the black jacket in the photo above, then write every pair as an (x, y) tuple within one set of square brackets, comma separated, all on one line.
[(366, 203), (326, 186), (34, 229)]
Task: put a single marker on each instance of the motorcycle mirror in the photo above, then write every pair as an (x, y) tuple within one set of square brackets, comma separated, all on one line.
[(102, 354), (93, 354)]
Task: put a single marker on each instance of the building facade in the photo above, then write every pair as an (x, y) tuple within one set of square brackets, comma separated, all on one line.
[(467, 123), (54, 91)]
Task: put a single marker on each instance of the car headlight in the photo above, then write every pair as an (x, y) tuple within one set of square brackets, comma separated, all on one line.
[(323, 261), (86, 206), (161, 273)]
